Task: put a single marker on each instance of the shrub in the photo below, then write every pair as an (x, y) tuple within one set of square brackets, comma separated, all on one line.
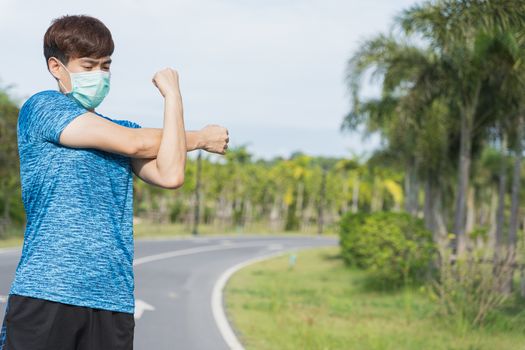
[(468, 288), (350, 226), (394, 247)]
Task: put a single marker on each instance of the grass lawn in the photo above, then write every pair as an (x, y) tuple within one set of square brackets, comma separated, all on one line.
[(320, 304), (11, 241), (169, 230), (15, 235)]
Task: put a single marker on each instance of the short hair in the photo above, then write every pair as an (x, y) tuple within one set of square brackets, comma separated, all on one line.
[(75, 36)]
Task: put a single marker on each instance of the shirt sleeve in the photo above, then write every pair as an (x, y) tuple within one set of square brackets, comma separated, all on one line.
[(46, 114), (127, 123)]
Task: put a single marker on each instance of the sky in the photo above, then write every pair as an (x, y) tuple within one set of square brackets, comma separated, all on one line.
[(271, 72)]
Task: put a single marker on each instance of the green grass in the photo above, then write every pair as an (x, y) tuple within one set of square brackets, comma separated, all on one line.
[(11, 242), (321, 304), (163, 230), (14, 236)]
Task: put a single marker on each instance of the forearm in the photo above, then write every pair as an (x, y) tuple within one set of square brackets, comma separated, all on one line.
[(171, 157), (150, 141)]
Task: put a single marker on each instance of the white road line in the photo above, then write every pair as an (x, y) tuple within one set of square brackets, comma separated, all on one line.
[(217, 309), (217, 296), (180, 252), (140, 307)]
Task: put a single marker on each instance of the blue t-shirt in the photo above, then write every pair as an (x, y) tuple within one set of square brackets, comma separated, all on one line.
[(78, 242)]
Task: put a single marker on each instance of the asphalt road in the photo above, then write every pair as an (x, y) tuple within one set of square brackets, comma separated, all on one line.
[(174, 283)]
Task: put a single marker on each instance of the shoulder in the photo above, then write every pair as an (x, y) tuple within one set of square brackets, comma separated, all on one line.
[(44, 95), (52, 99)]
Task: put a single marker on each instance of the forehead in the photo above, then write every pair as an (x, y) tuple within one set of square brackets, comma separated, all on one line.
[(92, 60)]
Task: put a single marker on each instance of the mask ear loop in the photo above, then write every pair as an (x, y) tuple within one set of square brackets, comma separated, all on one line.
[(59, 81), (66, 92)]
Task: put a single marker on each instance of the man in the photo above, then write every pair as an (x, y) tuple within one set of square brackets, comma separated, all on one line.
[(74, 283)]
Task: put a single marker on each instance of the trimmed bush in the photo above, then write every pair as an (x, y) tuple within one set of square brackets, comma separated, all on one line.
[(350, 227), (394, 247)]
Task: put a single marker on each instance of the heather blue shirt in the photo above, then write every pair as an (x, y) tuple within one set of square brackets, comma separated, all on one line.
[(78, 242)]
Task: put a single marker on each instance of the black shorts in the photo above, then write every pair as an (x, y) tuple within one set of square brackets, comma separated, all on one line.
[(39, 324)]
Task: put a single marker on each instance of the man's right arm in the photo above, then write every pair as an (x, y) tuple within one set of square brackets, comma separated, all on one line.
[(92, 131)]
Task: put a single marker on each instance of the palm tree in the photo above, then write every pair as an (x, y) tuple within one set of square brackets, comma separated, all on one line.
[(453, 29), (411, 115)]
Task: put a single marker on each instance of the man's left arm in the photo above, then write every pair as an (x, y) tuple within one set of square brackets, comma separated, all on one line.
[(150, 141), (212, 138)]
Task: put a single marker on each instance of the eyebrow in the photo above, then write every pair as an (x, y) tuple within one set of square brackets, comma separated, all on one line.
[(91, 60)]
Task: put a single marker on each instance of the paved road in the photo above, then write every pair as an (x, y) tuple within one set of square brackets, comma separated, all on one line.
[(174, 280)]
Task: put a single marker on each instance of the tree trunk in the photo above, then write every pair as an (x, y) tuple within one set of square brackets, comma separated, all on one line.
[(500, 216), (299, 205), (471, 210), (441, 231), (522, 282), (432, 211), (380, 196), (467, 117), (344, 207), (309, 216), (515, 205), (499, 251), (411, 188), (427, 208), (248, 213), (322, 195), (196, 214), (516, 179), (355, 194), (375, 195), (275, 216), (492, 215)]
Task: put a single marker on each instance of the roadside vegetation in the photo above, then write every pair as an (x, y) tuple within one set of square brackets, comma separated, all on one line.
[(321, 303)]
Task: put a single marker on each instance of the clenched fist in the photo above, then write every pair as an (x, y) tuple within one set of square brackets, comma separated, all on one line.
[(167, 81), (214, 138)]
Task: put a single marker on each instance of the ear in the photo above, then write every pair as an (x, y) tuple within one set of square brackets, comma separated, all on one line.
[(54, 67)]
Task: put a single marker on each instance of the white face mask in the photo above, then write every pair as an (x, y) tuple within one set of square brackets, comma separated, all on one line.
[(88, 88)]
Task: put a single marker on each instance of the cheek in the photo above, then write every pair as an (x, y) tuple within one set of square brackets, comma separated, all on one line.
[(66, 78)]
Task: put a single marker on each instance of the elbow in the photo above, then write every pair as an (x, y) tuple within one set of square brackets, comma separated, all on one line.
[(137, 147), (174, 183)]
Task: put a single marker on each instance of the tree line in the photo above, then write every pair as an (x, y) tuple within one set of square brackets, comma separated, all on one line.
[(299, 193)]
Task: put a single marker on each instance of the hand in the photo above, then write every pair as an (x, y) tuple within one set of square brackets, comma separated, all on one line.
[(214, 138), (167, 81)]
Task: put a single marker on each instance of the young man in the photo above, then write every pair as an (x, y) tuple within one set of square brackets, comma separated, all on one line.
[(74, 283)]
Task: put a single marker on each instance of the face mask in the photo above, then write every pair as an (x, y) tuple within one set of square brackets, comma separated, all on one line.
[(88, 88)]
